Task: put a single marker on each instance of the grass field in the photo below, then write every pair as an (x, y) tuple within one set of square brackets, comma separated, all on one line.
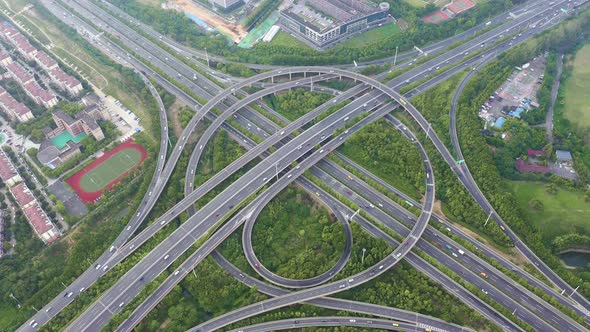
[(563, 213), (417, 3), (577, 89), (284, 39), (109, 170), (371, 37)]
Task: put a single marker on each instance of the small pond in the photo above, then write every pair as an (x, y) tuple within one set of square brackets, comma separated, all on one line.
[(575, 258)]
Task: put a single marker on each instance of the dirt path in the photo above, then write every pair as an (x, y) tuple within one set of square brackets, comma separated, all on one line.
[(554, 90), (173, 111), (235, 31)]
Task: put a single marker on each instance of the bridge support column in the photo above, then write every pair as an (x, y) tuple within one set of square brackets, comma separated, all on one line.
[(272, 79), (289, 76)]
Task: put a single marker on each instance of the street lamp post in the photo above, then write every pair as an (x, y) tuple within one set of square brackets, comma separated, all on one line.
[(363, 258)]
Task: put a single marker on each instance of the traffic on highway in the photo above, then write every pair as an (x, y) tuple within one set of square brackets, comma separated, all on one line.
[(283, 154)]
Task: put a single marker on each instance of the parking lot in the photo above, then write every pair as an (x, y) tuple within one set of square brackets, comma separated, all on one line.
[(125, 120), (518, 91)]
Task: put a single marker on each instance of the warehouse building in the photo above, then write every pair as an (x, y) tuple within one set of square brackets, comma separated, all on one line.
[(322, 23)]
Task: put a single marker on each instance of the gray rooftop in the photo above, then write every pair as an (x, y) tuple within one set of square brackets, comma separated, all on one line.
[(563, 155)]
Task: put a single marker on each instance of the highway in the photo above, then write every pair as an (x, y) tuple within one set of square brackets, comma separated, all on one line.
[(530, 299), (236, 221), (430, 49), (153, 301), (333, 321), (302, 295), (175, 148), (183, 237), (450, 254), (333, 168), (449, 284)]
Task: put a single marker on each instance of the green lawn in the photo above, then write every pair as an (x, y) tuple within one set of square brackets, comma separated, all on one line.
[(417, 3), (282, 38), (577, 89), (563, 213), (103, 174), (371, 37)]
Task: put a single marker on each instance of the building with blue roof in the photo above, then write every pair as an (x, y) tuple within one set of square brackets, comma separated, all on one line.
[(516, 113), (499, 122)]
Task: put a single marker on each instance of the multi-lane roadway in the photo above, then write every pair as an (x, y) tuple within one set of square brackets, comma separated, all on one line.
[(162, 179)]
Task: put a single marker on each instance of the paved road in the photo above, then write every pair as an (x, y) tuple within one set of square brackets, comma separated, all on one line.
[(333, 168), (276, 187), (466, 178), (334, 321), (433, 48), (449, 284), (90, 275), (180, 240), (150, 300), (524, 296)]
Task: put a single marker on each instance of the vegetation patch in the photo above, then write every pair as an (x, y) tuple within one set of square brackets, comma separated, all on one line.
[(385, 152), (564, 211), (283, 38), (577, 87), (296, 103), (296, 237), (372, 37)]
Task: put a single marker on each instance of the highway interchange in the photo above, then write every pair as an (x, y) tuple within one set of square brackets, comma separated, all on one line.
[(266, 169)]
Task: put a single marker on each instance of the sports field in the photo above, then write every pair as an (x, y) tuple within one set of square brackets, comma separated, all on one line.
[(577, 89), (436, 17), (459, 6), (107, 170)]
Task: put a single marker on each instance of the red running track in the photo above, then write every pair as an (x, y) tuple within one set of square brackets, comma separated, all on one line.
[(90, 197)]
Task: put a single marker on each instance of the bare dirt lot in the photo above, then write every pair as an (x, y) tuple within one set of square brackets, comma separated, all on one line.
[(235, 31)]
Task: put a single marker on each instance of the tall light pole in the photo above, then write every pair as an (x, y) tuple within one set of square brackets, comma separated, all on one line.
[(363, 258), (207, 56), (17, 301), (395, 57), (489, 216)]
